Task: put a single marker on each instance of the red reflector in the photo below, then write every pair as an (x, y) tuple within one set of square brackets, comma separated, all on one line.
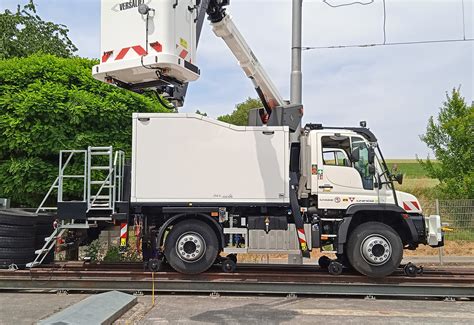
[(106, 56), (157, 46), (139, 50)]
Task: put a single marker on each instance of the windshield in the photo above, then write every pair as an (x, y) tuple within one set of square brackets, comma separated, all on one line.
[(362, 164)]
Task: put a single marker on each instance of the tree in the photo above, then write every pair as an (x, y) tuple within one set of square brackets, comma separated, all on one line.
[(23, 33), (48, 104), (201, 113), (240, 115), (451, 138)]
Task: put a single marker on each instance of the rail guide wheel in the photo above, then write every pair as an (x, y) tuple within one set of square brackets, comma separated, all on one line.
[(155, 265), (412, 270), (229, 266), (232, 257), (335, 268), (324, 262)]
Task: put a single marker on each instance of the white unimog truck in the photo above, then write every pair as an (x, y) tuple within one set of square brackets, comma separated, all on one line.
[(199, 188)]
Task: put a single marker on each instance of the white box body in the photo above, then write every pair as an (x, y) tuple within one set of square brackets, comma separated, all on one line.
[(128, 55), (190, 159)]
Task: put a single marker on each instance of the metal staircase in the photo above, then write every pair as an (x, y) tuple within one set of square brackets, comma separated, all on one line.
[(102, 176), (100, 179), (65, 158)]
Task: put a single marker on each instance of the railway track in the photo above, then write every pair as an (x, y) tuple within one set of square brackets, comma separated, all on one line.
[(249, 279)]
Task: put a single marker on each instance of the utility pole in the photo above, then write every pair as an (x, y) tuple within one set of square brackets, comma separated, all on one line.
[(296, 81), (296, 88)]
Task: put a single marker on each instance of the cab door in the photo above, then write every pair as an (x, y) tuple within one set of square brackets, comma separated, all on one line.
[(344, 173)]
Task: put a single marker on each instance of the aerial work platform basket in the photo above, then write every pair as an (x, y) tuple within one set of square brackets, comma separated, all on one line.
[(156, 44)]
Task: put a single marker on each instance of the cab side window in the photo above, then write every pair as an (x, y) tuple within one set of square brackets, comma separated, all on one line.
[(336, 150), (336, 158)]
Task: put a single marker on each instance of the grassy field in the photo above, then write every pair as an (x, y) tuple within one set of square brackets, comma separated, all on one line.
[(416, 181), (409, 167)]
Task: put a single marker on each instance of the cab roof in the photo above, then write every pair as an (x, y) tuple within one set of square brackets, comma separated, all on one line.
[(365, 132)]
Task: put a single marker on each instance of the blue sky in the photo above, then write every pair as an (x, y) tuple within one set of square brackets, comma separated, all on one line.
[(395, 89)]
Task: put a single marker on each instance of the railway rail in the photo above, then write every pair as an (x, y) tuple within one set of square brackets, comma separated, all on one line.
[(249, 279)]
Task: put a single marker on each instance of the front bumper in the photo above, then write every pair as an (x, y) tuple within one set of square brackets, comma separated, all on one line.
[(434, 233)]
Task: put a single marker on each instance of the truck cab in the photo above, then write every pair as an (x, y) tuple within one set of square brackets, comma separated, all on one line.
[(347, 167), (345, 182)]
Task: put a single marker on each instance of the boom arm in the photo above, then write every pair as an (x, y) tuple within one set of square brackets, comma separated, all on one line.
[(224, 27)]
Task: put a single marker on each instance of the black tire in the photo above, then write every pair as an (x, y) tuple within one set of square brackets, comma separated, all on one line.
[(19, 253), (17, 231), (344, 260), (384, 239), (17, 242), (205, 251), (45, 220), (44, 229), (16, 218), (20, 262)]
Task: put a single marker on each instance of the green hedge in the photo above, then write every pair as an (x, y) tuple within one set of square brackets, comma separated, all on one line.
[(48, 104)]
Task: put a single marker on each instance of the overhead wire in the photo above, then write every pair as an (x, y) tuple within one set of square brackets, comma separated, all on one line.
[(385, 43), (349, 4), (306, 48)]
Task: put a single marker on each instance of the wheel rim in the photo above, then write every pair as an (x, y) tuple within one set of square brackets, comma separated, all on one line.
[(190, 247), (376, 249)]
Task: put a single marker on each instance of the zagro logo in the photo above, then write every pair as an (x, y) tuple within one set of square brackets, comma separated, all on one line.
[(130, 4)]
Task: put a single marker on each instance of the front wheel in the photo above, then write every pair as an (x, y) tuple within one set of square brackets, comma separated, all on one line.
[(375, 249), (191, 247)]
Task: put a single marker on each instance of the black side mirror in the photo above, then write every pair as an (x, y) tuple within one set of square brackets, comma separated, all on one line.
[(398, 178), (371, 156), (355, 155)]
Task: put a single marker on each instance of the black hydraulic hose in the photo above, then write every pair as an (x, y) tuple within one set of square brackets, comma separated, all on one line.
[(163, 103), (260, 94)]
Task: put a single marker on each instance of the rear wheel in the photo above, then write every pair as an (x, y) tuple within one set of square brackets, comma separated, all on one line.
[(191, 247), (375, 249)]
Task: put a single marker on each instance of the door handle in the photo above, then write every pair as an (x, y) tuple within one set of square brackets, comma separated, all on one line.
[(268, 132), (326, 186)]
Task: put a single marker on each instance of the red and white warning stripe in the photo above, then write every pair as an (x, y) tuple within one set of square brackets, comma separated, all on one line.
[(123, 231), (302, 237), (411, 206), (137, 49)]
